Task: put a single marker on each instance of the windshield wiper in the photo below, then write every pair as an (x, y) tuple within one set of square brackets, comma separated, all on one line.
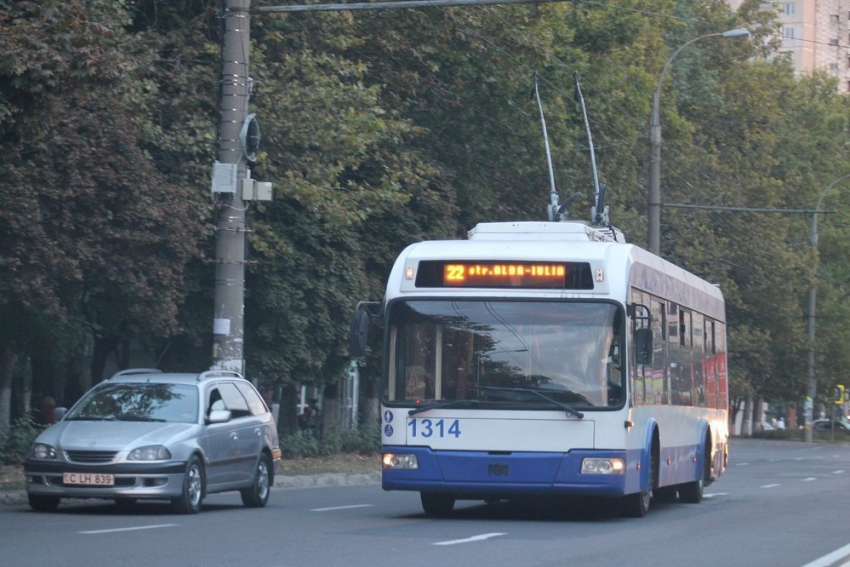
[(137, 418), (438, 405), (566, 407)]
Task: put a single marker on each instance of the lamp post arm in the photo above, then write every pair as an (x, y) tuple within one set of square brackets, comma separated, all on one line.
[(654, 225), (657, 97)]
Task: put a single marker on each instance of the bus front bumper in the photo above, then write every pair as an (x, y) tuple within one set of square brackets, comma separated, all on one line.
[(515, 473)]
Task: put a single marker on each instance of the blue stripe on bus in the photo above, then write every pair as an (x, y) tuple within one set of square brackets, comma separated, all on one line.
[(471, 472)]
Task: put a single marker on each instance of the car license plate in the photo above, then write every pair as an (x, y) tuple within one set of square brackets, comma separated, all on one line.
[(88, 479)]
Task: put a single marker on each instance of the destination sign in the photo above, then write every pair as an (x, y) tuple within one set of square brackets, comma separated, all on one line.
[(504, 274)]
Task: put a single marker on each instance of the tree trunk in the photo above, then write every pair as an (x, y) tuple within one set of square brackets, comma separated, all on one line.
[(288, 411), (370, 409), (758, 416), (103, 347), (747, 429), (7, 367)]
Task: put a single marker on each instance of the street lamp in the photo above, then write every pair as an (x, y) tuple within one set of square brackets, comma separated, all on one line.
[(654, 228), (810, 319)]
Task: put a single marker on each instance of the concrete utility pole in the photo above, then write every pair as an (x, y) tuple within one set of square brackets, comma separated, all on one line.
[(812, 318), (228, 174)]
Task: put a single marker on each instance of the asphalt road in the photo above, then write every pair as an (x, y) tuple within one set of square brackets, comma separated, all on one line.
[(782, 504)]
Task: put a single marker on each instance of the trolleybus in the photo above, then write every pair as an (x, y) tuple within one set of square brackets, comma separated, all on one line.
[(549, 358)]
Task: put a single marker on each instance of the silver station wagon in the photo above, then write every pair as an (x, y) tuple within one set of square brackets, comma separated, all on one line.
[(144, 434)]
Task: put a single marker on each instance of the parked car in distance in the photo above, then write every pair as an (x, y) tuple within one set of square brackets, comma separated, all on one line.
[(145, 434), (826, 425)]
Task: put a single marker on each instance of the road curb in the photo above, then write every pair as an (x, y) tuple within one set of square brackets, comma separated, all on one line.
[(19, 497)]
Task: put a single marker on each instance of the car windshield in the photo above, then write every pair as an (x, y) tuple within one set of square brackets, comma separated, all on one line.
[(138, 402), (505, 353)]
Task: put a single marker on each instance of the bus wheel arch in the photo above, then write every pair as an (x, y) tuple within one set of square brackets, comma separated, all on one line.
[(692, 492), (636, 505)]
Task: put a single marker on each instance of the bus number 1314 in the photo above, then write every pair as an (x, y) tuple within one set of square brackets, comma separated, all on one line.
[(430, 428)]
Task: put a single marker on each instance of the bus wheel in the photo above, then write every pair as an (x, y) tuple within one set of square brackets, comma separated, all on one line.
[(637, 505), (691, 492), (664, 495), (437, 504)]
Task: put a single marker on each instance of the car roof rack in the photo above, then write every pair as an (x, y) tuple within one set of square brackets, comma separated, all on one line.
[(134, 371), (219, 374)]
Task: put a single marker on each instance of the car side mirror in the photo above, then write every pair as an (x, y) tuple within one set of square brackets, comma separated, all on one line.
[(219, 416), (59, 413)]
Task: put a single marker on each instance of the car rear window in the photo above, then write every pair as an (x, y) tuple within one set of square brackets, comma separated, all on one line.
[(255, 402)]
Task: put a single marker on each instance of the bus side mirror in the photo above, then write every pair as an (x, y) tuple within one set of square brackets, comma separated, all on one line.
[(643, 346), (359, 334)]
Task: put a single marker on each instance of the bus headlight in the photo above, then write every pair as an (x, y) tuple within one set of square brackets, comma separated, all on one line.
[(602, 466), (400, 462)]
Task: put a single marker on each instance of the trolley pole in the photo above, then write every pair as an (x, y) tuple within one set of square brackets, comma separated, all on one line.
[(230, 225)]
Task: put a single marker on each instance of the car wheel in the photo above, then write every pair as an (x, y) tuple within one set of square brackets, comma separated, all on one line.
[(437, 504), (43, 503), (189, 501), (258, 495)]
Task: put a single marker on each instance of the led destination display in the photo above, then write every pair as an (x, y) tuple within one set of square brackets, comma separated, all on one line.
[(504, 274)]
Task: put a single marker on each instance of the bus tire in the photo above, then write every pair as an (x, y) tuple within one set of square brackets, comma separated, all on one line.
[(664, 495), (437, 504), (691, 492), (637, 505)]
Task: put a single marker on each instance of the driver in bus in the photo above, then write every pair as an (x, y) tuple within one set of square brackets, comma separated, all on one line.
[(420, 384)]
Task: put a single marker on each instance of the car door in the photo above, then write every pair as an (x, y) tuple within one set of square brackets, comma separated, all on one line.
[(220, 443), (262, 432), (244, 427)]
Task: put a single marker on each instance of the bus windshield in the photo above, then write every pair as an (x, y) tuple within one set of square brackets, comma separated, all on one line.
[(505, 353)]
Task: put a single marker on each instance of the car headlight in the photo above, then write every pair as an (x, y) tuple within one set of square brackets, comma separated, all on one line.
[(149, 453), (42, 452)]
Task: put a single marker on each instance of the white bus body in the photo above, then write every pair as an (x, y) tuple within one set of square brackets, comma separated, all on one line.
[(516, 352)]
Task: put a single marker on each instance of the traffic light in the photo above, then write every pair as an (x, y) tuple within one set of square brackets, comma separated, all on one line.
[(838, 394)]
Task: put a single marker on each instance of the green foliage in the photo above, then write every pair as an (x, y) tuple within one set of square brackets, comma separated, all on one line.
[(363, 441), (381, 129), (16, 441)]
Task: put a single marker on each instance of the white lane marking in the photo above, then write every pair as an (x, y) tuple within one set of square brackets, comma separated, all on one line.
[(713, 494), (810, 479), (831, 558), (470, 539), (155, 527), (342, 507), (743, 464), (837, 472), (771, 485)]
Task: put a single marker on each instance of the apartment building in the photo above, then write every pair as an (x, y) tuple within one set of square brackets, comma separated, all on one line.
[(815, 35)]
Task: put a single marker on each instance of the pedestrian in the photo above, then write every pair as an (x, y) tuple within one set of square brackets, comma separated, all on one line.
[(48, 405), (309, 418)]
